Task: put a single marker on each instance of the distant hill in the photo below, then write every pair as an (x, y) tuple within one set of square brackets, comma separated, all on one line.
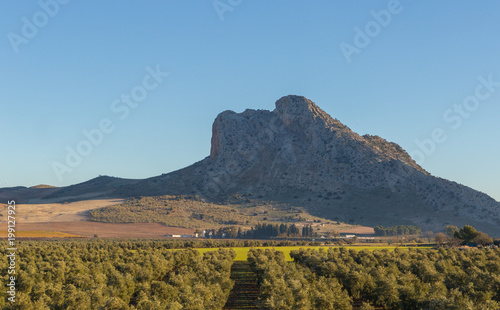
[(300, 155)]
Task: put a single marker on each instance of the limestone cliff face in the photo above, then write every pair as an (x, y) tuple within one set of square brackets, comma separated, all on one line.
[(215, 147), (297, 145)]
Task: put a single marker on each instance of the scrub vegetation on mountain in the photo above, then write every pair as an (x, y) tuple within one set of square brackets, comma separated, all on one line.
[(193, 212)]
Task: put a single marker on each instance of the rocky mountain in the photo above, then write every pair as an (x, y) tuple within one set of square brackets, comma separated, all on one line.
[(300, 155)]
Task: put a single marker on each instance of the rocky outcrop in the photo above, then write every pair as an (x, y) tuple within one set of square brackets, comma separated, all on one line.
[(297, 145)]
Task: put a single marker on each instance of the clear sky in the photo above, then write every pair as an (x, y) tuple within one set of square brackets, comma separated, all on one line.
[(408, 71)]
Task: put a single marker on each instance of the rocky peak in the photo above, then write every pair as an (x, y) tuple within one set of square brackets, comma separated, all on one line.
[(300, 136), (296, 105), (299, 111)]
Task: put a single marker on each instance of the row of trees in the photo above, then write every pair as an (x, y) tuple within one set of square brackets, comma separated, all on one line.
[(264, 231), (261, 231), (397, 230), (284, 285), (412, 279), (118, 275), (466, 235)]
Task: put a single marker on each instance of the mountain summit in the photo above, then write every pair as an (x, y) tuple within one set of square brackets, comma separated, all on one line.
[(298, 147), (300, 155)]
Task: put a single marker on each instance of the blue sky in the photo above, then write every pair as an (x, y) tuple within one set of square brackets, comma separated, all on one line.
[(400, 70)]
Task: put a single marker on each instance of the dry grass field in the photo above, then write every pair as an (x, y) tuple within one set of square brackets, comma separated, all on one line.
[(56, 212), (103, 230)]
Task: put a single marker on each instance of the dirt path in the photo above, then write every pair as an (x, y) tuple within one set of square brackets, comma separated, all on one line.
[(245, 291)]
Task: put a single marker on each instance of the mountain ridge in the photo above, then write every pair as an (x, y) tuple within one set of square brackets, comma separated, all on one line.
[(298, 154)]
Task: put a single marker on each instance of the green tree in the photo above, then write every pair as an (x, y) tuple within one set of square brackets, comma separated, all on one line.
[(466, 234)]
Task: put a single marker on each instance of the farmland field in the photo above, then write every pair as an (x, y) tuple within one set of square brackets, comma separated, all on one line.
[(103, 230), (40, 234)]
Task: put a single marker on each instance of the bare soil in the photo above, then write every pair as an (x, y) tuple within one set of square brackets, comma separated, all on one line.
[(245, 290), (359, 230)]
